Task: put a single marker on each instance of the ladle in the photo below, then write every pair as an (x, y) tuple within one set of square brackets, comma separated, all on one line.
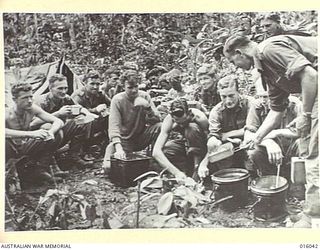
[(278, 174)]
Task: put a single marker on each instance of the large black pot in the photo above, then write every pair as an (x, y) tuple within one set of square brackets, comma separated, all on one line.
[(270, 202), (232, 183)]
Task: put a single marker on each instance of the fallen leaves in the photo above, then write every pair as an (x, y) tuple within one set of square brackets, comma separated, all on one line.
[(90, 182), (165, 203), (156, 220)]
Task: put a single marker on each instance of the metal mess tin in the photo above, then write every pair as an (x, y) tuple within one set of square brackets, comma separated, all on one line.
[(270, 202), (225, 150)]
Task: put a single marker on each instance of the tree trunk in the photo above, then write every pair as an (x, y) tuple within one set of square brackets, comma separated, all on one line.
[(72, 34)]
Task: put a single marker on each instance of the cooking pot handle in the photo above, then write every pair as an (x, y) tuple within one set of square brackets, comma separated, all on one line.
[(216, 202), (214, 188), (251, 207)]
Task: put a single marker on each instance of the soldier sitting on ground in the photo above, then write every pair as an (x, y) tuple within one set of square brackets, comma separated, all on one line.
[(96, 102), (22, 141), (58, 103)]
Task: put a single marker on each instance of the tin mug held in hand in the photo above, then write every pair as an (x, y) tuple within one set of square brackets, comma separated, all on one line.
[(75, 110), (103, 110)]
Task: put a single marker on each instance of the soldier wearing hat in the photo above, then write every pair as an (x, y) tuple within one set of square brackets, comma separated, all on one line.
[(112, 85), (153, 76)]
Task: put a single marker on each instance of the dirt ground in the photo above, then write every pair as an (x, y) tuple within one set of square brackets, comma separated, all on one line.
[(87, 199)]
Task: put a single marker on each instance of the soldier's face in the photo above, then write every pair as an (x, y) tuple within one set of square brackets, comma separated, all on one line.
[(204, 80), (92, 85), (114, 80), (24, 100), (153, 80), (270, 28), (264, 98), (131, 89), (229, 96), (245, 26), (59, 89), (241, 60), (179, 117)]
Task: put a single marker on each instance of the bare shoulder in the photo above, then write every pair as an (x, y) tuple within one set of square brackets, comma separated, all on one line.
[(36, 109), (144, 94), (9, 114), (167, 123), (196, 111)]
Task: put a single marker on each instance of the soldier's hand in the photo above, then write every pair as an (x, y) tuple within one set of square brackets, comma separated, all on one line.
[(203, 170), (140, 101), (101, 107), (274, 151), (120, 154), (251, 143), (292, 123), (181, 177), (213, 144), (65, 111), (50, 136), (39, 134), (236, 141)]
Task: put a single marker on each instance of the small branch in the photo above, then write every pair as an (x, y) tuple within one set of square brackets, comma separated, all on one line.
[(138, 205), (52, 174), (11, 209), (218, 201), (35, 211)]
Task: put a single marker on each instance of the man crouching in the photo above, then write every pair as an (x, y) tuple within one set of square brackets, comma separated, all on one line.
[(181, 156)]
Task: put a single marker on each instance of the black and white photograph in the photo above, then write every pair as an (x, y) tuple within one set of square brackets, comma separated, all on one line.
[(161, 120)]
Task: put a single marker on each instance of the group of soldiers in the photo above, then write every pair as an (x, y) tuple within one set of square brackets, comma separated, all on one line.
[(270, 129)]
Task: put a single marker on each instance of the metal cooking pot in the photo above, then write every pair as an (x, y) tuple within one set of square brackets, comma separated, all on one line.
[(232, 182), (270, 202)]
